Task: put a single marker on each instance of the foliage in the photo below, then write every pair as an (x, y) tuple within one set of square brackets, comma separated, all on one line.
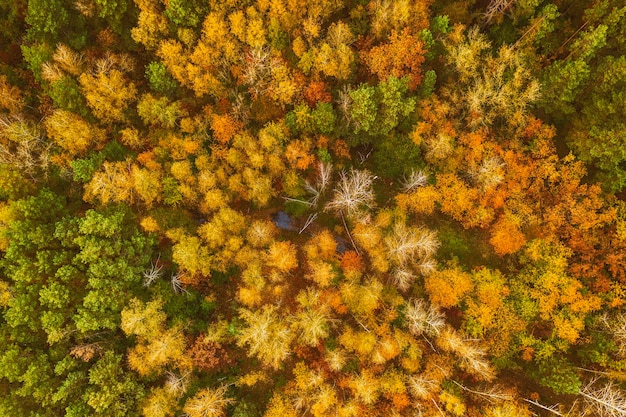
[(443, 251)]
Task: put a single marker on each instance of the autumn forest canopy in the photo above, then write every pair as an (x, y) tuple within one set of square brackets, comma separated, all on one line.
[(276, 208)]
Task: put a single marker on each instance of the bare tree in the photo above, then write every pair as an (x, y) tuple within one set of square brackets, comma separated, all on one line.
[(176, 384), (240, 109), (471, 356), (408, 243), (23, 146), (353, 193), (344, 103), (427, 266), (424, 318), (308, 222), (490, 172), (323, 179), (257, 70), (69, 60), (50, 71), (605, 400), (402, 278), (493, 393), (415, 180), (177, 285), (208, 403), (422, 387), (154, 273), (554, 409), (497, 7), (617, 327)]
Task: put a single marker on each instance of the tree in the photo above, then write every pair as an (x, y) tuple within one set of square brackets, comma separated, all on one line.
[(490, 88), (266, 335), (152, 356), (581, 87), (159, 111), (471, 356), (112, 183), (447, 288), (506, 237), (144, 320), (558, 296), (113, 11), (22, 146), (152, 25), (190, 254), (108, 94), (160, 402), (70, 277), (360, 108), (376, 111), (389, 15), (111, 392), (46, 19), (185, 13), (401, 56), (353, 194), (66, 95), (208, 403), (313, 326), (487, 303), (407, 244), (423, 318), (282, 256), (556, 373), (74, 134), (160, 80), (11, 97), (606, 400)]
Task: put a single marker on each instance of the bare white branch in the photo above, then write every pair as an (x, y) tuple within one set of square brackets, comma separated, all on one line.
[(606, 400), (497, 7), (617, 327), (353, 193), (490, 172), (491, 394), (427, 266), (154, 273), (323, 179), (177, 285), (415, 180), (424, 318), (552, 408), (402, 278), (421, 387), (408, 243), (308, 222)]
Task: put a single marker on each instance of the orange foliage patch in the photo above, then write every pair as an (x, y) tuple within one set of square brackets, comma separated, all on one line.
[(147, 159), (401, 57), (341, 149), (448, 287), (316, 92), (506, 237), (333, 299), (224, 127), (208, 356), (400, 401), (299, 155), (351, 261)]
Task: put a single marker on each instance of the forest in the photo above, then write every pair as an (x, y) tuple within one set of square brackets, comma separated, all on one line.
[(280, 208)]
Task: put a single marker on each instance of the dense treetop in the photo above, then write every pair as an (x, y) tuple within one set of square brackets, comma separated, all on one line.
[(262, 208)]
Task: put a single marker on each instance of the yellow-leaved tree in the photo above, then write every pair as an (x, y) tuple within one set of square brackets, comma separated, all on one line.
[(266, 335), (157, 346)]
